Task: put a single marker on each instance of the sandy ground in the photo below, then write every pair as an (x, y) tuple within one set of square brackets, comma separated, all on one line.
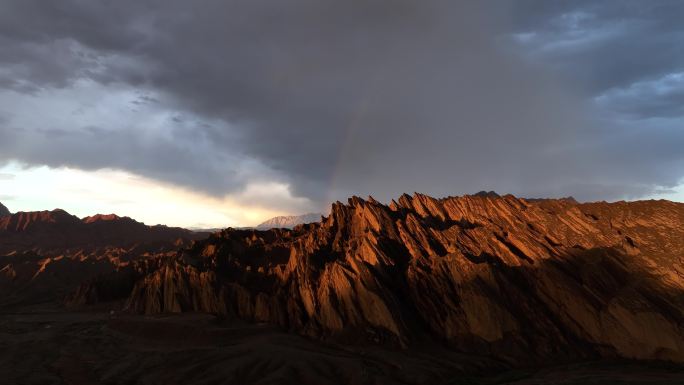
[(43, 345)]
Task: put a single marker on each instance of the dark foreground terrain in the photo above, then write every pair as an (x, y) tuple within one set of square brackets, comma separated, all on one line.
[(41, 345)]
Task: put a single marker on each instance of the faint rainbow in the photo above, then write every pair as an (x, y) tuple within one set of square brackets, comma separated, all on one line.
[(351, 131)]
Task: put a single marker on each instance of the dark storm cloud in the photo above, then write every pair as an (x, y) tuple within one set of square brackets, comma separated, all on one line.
[(170, 159), (380, 97), (608, 45)]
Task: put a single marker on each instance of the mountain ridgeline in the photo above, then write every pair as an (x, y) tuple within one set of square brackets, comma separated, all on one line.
[(57, 232), (524, 281)]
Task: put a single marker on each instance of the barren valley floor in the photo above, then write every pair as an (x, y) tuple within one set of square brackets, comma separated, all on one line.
[(48, 345)]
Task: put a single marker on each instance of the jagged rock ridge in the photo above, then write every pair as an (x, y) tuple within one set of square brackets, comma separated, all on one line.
[(289, 221), (524, 281)]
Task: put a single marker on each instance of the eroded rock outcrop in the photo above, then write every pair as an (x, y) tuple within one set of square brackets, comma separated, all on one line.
[(526, 281)]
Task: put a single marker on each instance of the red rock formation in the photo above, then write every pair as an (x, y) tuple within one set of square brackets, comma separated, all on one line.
[(522, 280), (101, 217)]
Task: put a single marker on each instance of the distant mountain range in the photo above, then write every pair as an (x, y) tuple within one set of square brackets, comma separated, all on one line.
[(289, 221), (55, 232), (279, 222)]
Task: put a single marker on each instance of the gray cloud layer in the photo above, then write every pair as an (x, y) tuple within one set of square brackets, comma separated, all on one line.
[(340, 97)]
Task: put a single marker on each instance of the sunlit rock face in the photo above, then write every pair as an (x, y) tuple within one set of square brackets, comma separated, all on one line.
[(525, 281)]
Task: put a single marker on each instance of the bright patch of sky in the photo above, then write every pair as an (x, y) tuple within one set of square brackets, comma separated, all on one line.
[(84, 193)]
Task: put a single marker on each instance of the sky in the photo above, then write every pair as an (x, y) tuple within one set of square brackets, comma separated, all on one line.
[(224, 113)]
